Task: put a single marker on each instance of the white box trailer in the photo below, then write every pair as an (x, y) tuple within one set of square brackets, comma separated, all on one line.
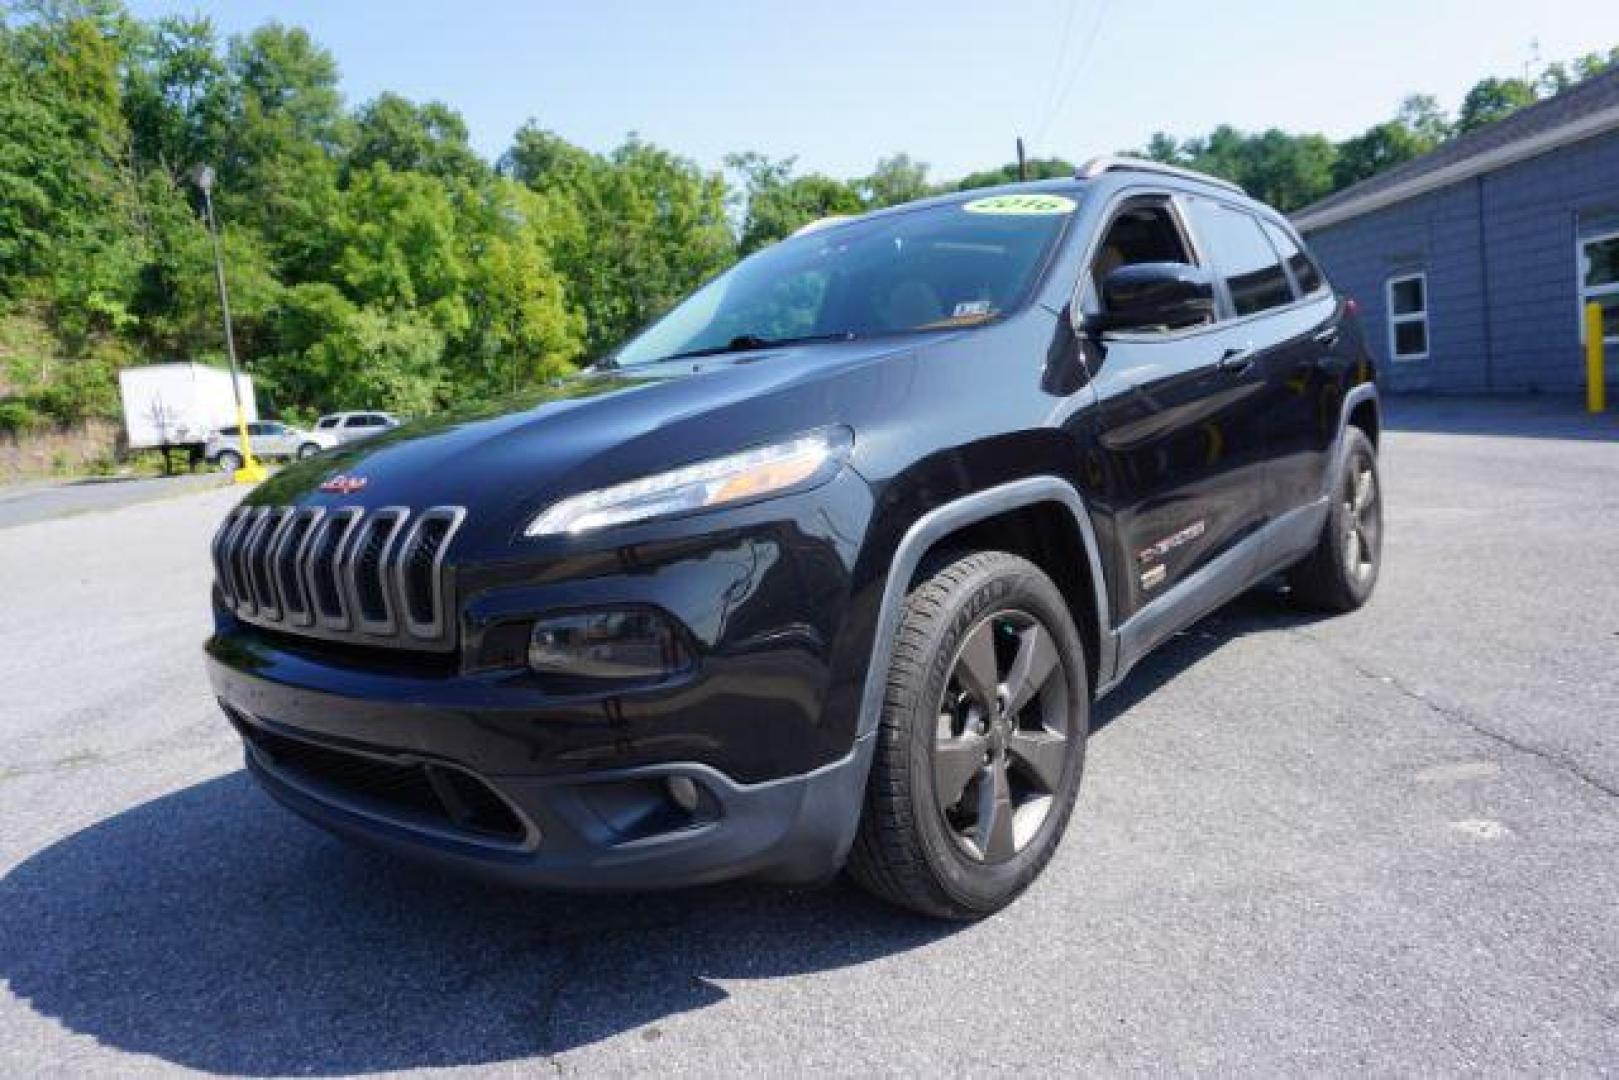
[(179, 404)]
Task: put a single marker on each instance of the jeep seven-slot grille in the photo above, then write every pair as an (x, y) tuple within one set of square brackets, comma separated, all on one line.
[(346, 573)]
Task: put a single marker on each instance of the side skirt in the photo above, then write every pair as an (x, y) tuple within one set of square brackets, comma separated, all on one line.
[(1274, 546)]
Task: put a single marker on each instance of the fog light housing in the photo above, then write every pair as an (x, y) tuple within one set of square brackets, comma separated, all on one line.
[(619, 644)]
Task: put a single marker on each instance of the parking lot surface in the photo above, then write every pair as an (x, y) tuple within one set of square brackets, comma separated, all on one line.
[(1387, 842)]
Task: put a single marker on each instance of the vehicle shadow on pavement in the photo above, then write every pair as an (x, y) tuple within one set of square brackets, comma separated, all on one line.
[(1263, 608), (211, 929)]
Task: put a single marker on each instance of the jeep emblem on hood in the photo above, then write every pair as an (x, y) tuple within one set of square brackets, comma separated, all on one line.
[(344, 485)]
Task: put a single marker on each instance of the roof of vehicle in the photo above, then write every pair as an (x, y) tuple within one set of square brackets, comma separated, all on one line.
[(353, 412), (1119, 167)]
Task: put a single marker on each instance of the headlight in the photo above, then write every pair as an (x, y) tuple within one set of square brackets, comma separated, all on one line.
[(751, 474)]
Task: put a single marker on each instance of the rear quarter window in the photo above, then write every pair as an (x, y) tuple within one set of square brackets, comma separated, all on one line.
[(1304, 269)]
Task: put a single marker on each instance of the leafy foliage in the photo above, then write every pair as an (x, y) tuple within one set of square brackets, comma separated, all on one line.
[(375, 259)]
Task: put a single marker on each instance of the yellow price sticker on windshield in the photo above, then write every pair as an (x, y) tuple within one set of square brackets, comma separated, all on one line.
[(1020, 204)]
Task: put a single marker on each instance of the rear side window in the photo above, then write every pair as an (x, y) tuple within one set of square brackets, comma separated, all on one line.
[(326, 422), (1303, 267), (1242, 256)]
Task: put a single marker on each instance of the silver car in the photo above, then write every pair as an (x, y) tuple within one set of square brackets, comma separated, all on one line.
[(346, 427), (269, 439)]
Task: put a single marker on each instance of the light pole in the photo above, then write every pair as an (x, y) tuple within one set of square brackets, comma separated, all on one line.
[(251, 471)]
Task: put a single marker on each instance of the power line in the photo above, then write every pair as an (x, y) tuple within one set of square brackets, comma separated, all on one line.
[(1079, 67), (1057, 65)]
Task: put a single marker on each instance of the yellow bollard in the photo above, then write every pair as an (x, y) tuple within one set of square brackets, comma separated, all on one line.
[(251, 471), (1596, 385)]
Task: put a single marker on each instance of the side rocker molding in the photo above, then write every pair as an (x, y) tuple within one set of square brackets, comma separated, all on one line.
[(934, 526)]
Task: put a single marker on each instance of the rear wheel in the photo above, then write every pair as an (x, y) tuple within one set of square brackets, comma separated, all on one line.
[(1341, 572), (981, 743), (228, 461)]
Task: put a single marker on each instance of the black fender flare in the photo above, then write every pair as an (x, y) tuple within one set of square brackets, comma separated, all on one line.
[(952, 516)]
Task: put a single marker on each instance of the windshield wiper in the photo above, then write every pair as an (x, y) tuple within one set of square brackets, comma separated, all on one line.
[(749, 342)]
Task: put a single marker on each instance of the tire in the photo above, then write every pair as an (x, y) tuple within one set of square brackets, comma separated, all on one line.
[(968, 858), (228, 461), (308, 449), (1339, 575)]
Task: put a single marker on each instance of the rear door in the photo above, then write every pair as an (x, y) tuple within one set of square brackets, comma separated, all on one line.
[(1305, 380), (1279, 335), (1178, 432)]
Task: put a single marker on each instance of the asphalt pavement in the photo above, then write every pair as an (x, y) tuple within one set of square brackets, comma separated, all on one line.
[(1382, 843), (24, 504)]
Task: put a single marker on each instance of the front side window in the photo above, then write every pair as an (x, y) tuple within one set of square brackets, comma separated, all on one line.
[(950, 266), (1599, 282), (1142, 232), (1244, 258), (326, 422), (1408, 316)]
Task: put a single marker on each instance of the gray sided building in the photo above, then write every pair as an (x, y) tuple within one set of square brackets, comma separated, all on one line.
[(1472, 265)]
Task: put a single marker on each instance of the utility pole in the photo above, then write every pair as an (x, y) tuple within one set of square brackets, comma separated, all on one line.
[(251, 471), (1022, 165)]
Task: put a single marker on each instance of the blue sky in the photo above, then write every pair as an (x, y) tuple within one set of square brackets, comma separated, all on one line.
[(840, 83)]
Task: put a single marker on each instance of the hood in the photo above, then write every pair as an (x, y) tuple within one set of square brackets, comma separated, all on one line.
[(504, 462)]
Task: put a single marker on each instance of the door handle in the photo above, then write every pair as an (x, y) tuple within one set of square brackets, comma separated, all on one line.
[(1236, 361)]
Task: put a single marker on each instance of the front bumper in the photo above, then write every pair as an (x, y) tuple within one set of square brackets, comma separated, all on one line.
[(614, 829), (470, 759)]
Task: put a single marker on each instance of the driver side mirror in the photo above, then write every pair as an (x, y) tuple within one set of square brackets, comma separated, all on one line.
[(1154, 296)]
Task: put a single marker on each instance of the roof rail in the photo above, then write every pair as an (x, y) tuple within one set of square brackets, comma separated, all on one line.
[(1096, 166)]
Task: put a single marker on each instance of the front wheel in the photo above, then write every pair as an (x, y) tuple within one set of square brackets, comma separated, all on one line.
[(981, 743), (1340, 573), (228, 461), (308, 449)]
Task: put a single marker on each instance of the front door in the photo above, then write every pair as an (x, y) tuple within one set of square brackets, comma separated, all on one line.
[(1178, 438)]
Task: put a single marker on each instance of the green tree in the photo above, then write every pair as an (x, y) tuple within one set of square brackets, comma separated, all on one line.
[(278, 150), (1422, 115), (1378, 148), (895, 180), (778, 204), (67, 228), (1164, 148), (407, 137), (631, 232), (1287, 171), (398, 245), (521, 330), (1490, 100), (176, 94), (1037, 168)]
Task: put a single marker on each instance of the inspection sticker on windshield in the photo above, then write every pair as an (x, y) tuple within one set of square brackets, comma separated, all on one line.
[(1020, 204)]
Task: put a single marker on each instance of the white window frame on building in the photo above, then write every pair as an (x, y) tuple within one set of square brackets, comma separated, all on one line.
[(1399, 319), (1600, 293)]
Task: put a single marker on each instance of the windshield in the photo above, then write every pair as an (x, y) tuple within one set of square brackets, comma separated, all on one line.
[(939, 267)]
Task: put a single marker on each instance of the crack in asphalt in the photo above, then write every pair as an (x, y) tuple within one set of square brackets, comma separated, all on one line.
[(84, 759), (1461, 716)]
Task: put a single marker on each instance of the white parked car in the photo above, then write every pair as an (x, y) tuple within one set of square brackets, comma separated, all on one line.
[(346, 427), (269, 439)]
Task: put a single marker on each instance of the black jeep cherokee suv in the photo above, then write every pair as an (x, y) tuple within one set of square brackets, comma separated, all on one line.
[(826, 566)]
